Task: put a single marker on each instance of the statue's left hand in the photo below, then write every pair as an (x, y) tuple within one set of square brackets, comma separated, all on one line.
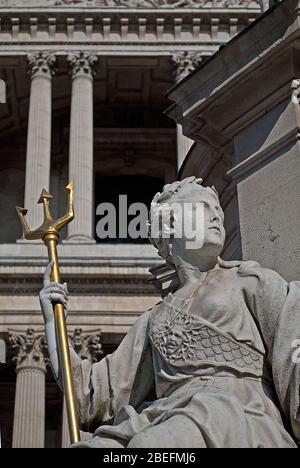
[(52, 293)]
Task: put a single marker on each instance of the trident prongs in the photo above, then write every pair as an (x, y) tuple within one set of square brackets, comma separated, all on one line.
[(49, 225)]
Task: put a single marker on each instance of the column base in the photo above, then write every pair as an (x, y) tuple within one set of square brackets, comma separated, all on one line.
[(79, 240), (25, 241)]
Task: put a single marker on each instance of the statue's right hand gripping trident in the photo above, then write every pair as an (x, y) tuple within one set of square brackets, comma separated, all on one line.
[(49, 233)]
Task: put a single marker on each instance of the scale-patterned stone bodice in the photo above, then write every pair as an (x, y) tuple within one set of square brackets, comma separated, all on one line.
[(183, 339)]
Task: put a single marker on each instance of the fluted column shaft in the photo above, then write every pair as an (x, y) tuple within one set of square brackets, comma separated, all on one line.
[(29, 413), (184, 144), (183, 64), (81, 159), (38, 155)]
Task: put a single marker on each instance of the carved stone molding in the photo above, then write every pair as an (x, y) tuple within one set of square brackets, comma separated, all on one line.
[(134, 3), (30, 349), (84, 285), (42, 64), (82, 64), (87, 344), (185, 63)]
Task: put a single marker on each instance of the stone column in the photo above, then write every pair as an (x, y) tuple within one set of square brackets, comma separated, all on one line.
[(183, 64), (88, 346), (39, 134), (81, 160), (2, 351), (29, 414)]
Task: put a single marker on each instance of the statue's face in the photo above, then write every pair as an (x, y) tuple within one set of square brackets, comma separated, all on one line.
[(174, 340), (203, 218)]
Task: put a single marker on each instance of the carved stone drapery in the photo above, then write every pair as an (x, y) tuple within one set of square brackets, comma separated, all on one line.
[(87, 345)]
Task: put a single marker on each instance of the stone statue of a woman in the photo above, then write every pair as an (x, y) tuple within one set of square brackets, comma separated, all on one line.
[(218, 351)]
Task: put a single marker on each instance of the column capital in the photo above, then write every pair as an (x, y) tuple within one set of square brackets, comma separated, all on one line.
[(185, 63), (42, 64), (87, 344), (30, 350), (82, 64)]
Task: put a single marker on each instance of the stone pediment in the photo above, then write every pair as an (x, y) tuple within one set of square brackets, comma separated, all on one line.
[(133, 3)]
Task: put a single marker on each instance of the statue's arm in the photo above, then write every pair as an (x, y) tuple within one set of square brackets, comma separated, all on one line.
[(50, 294), (125, 377)]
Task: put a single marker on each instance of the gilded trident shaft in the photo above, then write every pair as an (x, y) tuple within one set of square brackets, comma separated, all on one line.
[(49, 233)]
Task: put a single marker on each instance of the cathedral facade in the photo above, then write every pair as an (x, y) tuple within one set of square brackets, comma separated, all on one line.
[(86, 84)]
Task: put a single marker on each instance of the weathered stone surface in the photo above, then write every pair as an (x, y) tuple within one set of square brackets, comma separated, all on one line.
[(133, 3), (38, 156), (247, 98), (29, 415), (220, 320), (81, 160)]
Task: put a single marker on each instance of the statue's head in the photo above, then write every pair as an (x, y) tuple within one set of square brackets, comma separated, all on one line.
[(187, 221)]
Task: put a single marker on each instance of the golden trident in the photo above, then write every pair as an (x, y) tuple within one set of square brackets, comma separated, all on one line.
[(49, 234)]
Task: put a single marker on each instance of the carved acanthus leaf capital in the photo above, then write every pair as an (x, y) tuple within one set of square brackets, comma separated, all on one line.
[(42, 64), (82, 64), (185, 63), (30, 349), (87, 345)]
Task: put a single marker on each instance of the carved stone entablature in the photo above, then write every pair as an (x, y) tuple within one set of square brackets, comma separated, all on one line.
[(42, 64), (185, 63), (84, 285), (87, 344), (82, 64), (96, 29), (30, 349), (135, 3)]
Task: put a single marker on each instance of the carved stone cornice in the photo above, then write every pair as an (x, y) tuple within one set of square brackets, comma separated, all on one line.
[(134, 3), (31, 285), (87, 344), (185, 63), (30, 349), (42, 64), (82, 64)]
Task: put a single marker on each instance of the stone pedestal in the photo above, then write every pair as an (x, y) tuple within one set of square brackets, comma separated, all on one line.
[(247, 96), (81, 159), (29, 414), (38, 154)]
